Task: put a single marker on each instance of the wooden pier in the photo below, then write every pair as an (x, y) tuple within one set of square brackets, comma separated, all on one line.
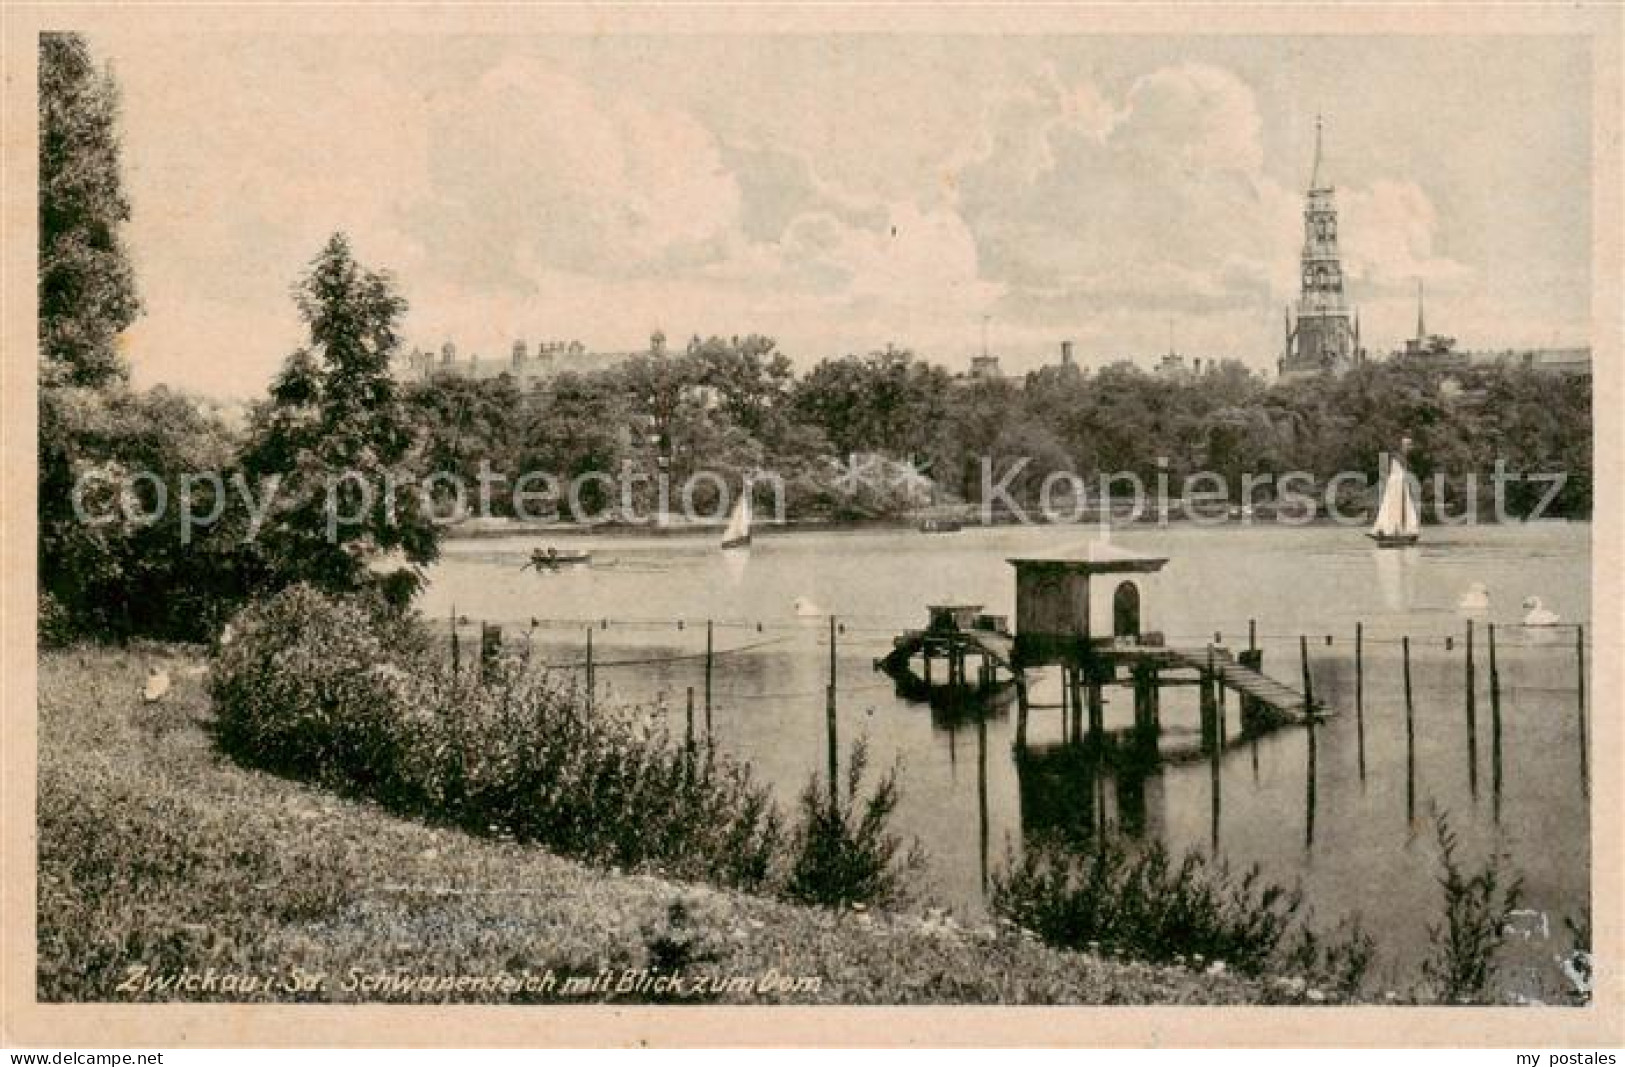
[(1084, 611)]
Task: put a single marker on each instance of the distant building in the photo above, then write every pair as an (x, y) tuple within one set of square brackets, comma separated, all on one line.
[(527, 367), (1569, 361), (1325, 338), (985, 367), (1432, 350)]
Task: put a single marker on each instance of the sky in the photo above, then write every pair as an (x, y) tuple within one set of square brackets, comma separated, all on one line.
[(840, 193)]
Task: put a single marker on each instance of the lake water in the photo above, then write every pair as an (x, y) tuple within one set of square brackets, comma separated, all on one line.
[(1347, 836)]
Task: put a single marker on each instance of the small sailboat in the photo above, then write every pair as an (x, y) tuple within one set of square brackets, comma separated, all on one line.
[(737, 534), (1399, 520)]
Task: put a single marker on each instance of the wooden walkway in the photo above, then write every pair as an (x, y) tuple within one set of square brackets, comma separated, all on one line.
[(998, 648), (1280, 698)]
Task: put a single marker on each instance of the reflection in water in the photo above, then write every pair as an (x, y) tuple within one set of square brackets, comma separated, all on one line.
[(1393, 576), (1395, 760), (1071, 791)]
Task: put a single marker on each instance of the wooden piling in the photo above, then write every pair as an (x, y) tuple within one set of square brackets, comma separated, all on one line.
[(1207, 704), (1495, 727), (1410, 735), (1309, 788), (1021, 712), (1066, 703), (1252, 635), (984, 826), (1471, 682), (688, 732), (490, 649), (1359, 696), (1308, 679), (1580, 704), (456, 647), (709, 656), (829, 723), (591, 681)]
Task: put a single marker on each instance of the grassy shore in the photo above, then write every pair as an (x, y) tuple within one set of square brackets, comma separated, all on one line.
[(161, 859)]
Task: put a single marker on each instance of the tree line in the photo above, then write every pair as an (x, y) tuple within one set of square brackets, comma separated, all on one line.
[(337, 423)]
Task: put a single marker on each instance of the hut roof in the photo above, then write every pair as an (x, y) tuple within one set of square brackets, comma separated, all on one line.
[(1092, 557)]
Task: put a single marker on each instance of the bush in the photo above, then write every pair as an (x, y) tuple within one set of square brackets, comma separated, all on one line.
[(337, 691), (1137, 902), (1477, 908), (840, 856)]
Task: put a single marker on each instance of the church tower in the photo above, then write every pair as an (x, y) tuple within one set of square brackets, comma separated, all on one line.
[(1323, 340)]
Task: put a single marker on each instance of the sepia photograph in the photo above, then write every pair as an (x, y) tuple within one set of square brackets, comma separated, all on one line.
[(718, 509)]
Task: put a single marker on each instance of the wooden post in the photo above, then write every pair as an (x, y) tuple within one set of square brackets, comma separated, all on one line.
[(925, 650), (1495, 727), (1580, 704), (1066, 703), (1206, 702), (592, 687), (1309, 790), (1308, 679), (983, 825), (1021, 711), (829, 724), (708, 659), (1359, 666), (1410, 735), (1359, 696), (456, 647), (1472, 717), (688, 732), (490, 649), (1252, 635)]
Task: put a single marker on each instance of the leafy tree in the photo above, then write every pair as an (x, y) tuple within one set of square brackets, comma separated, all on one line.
[(349, 474), (87, 289)]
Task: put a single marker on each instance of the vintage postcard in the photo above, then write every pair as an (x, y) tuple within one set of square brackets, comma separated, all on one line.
[(594, 525)]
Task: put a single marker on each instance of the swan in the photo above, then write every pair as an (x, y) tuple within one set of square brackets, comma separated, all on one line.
[(157, 685), (1476, 598), (805, 609), (1538, 614)]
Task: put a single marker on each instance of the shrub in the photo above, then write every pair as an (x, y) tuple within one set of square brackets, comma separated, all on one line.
[(334, 690), (322, 689), (1138, 902), (842, 851), (1477, 908)]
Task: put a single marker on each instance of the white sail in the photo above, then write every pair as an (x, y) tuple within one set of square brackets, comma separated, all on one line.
[(738, 531), (1397, 516)]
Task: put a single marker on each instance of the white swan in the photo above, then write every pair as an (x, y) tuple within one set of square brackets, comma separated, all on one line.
[(1538, 614), (1476, 598), (805, 609)]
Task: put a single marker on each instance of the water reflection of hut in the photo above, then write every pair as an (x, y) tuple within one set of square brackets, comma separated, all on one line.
[(1073, 793)]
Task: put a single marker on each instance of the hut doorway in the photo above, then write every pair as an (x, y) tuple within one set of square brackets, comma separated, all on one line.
[(1126, 610)]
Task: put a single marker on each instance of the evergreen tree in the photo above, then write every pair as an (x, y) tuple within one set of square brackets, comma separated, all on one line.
[(87, 292), (340, 443)]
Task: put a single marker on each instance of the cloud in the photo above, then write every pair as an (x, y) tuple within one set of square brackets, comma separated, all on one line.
[(1387, 234), (857, 193)]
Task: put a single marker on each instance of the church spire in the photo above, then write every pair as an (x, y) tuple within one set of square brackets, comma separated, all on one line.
[(1314, 175)]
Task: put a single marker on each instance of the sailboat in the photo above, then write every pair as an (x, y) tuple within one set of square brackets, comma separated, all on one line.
[(1399, 521), (737, 534)]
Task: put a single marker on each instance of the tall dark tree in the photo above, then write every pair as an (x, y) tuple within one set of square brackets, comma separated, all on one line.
[(87, 293), (340, 443)]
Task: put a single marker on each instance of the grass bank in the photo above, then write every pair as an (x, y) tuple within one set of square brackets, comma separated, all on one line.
[(162, 859)]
